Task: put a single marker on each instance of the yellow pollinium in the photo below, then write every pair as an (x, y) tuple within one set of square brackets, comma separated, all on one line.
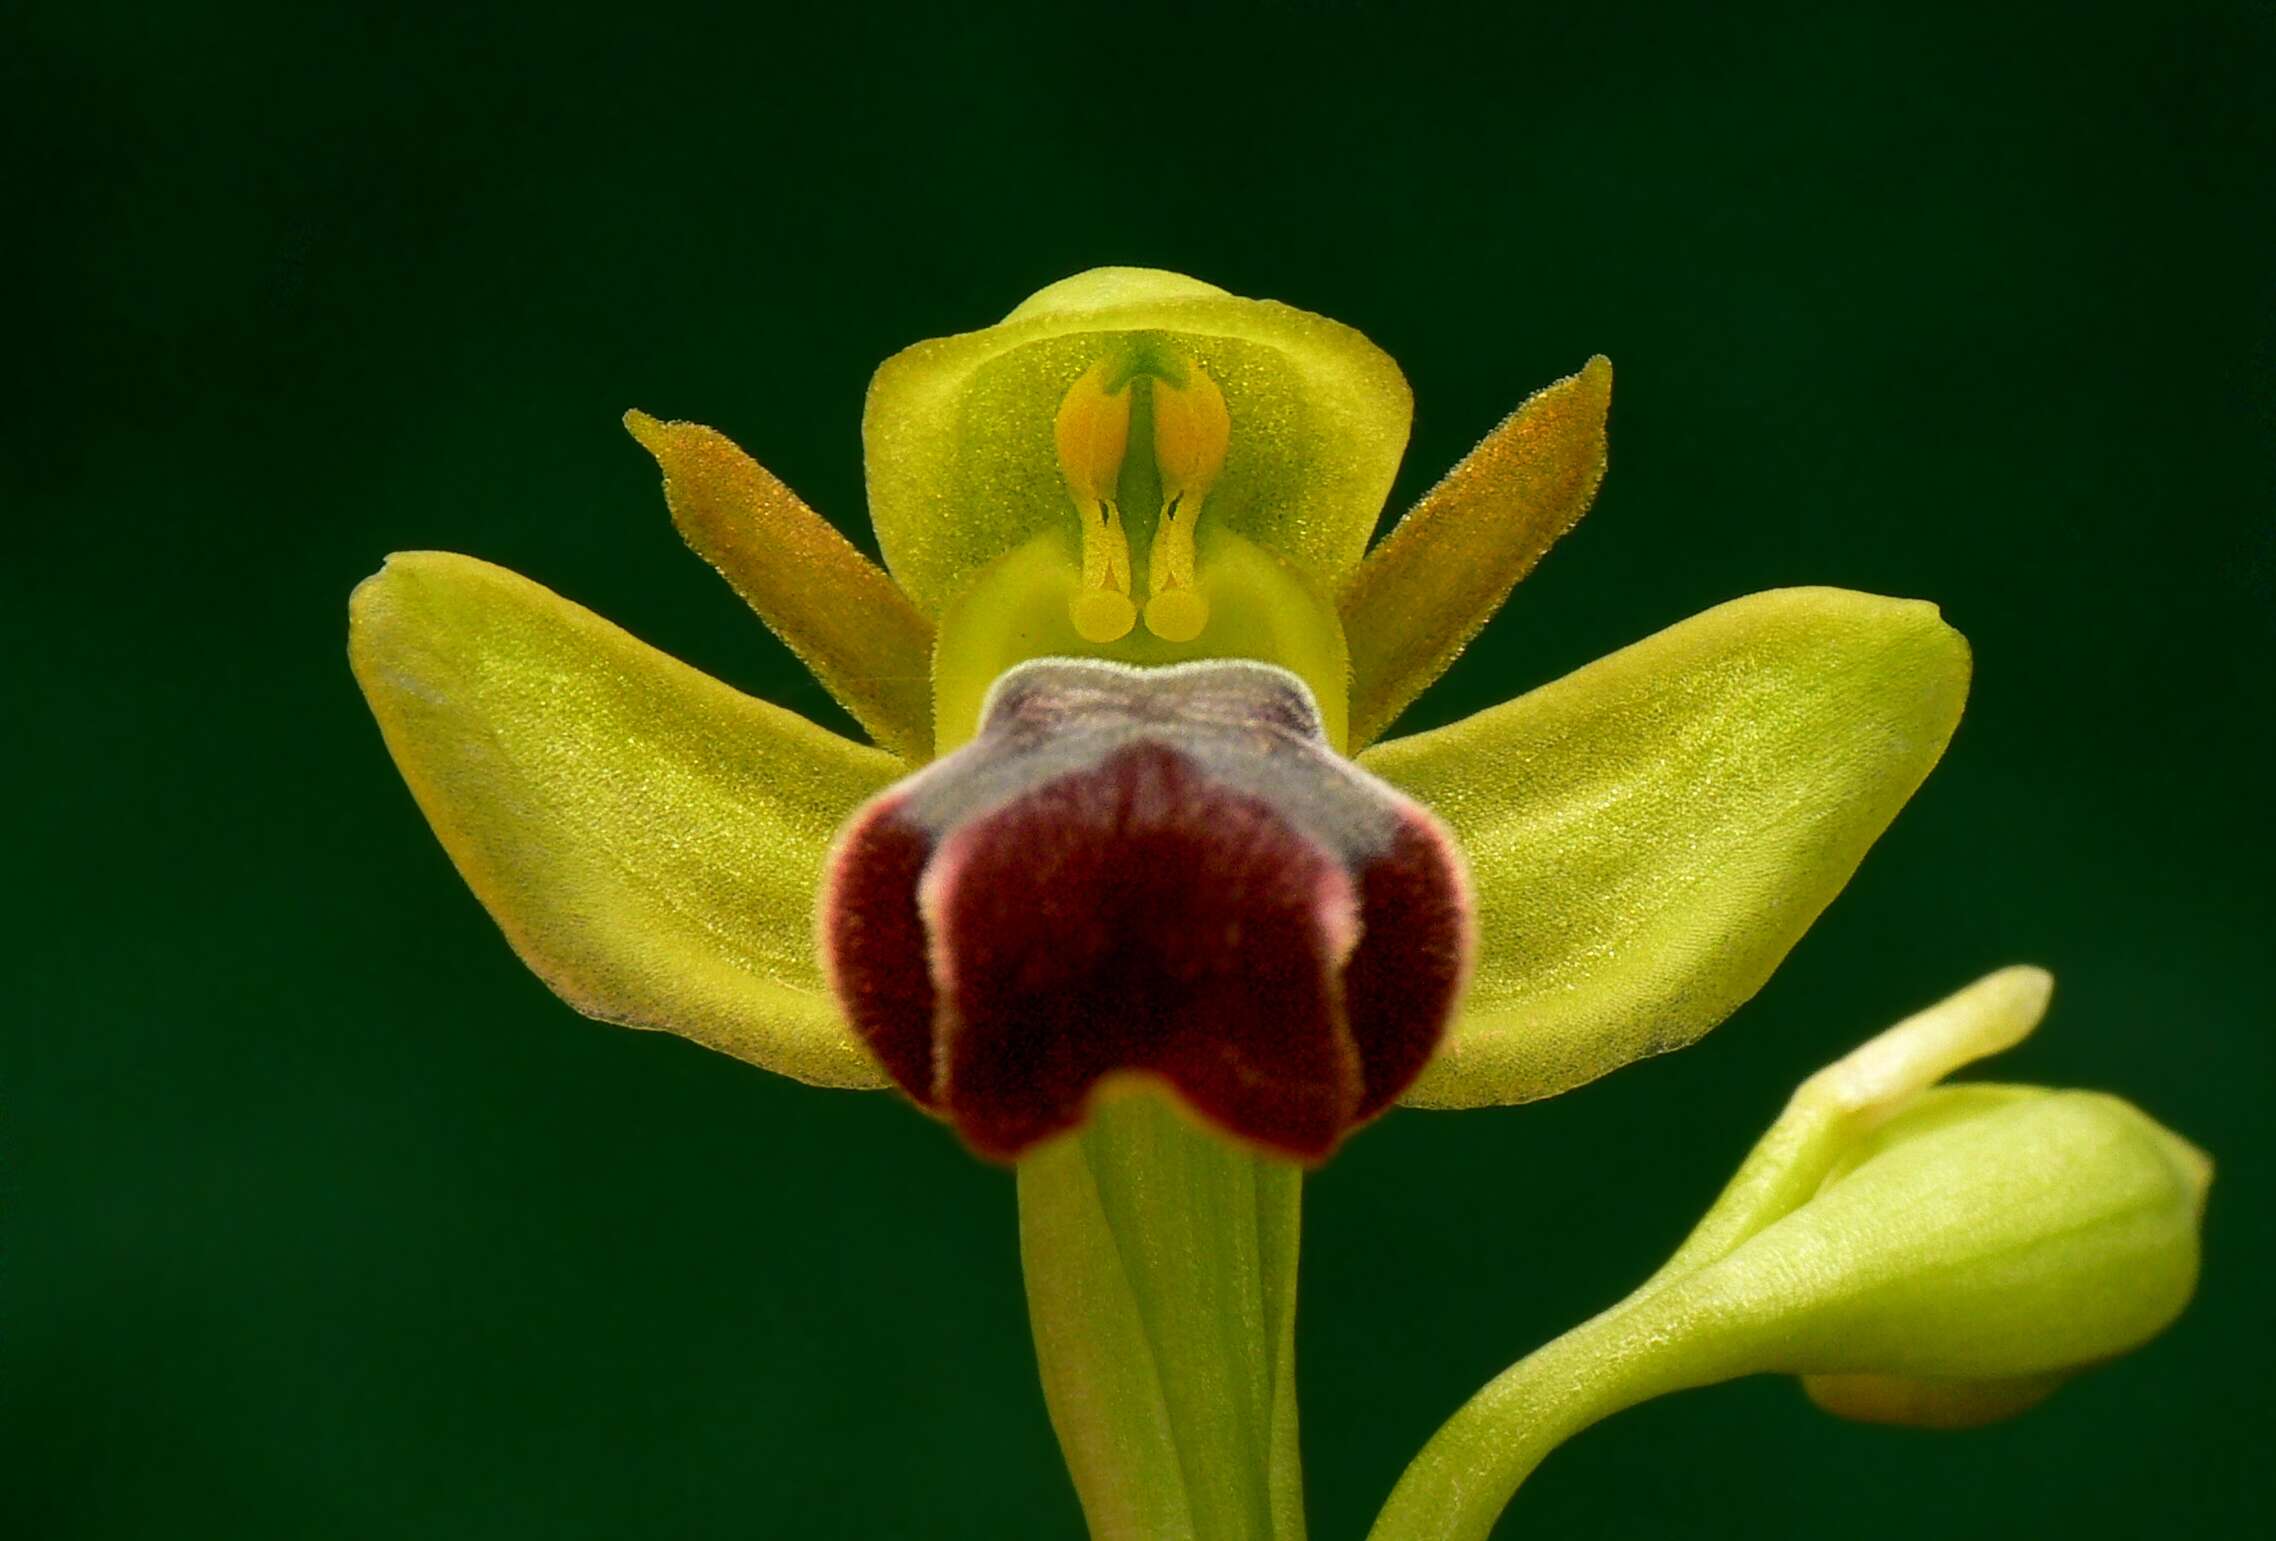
[(1191, 430), (1093, 432)]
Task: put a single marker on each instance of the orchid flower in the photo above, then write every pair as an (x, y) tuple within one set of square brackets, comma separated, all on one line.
[(1129, 889), (1644, 839)]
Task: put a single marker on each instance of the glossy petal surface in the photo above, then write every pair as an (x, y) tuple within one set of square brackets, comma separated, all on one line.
[(832, 606), (963, 466), (1154, 872), (1650, 835), (1421, 595), (649, 839)]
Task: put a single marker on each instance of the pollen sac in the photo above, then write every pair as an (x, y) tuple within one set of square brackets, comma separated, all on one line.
[(1191, 430), (1157, 873), (1093, 431)]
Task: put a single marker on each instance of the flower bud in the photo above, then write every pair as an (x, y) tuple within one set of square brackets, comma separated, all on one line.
[(1945, 1255), (1985, 1234), (1935, 1256)]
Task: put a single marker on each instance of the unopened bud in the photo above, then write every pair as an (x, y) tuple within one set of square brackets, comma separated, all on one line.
[(1984, 1234), (1945, 1255)]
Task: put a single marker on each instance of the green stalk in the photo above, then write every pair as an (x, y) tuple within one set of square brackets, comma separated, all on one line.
[(1161, 1281), (1649, 1345)]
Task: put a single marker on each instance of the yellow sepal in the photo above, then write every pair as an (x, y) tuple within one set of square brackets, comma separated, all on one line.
[(650, 840), (960, 432), (1648, 836)]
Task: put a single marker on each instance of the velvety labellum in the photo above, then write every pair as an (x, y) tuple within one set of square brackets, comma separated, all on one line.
[(1162, 873)]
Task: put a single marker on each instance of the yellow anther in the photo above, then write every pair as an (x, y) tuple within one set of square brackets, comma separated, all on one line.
[(1191, 432), (1094, 433)]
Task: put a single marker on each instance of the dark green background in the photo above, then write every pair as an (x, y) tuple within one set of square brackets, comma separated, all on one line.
[(323, 1218)]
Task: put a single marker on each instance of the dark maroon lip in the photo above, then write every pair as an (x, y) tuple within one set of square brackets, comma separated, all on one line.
[(1155, 872)]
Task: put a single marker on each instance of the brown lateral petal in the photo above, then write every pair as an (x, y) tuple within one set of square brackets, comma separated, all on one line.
[(1151, 872)]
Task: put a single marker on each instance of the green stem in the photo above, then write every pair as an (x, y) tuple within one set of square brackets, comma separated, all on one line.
[(1647, 1346), (1161, 1281)]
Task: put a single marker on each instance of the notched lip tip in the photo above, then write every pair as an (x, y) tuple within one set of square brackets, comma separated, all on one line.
[(1123, 1085)]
